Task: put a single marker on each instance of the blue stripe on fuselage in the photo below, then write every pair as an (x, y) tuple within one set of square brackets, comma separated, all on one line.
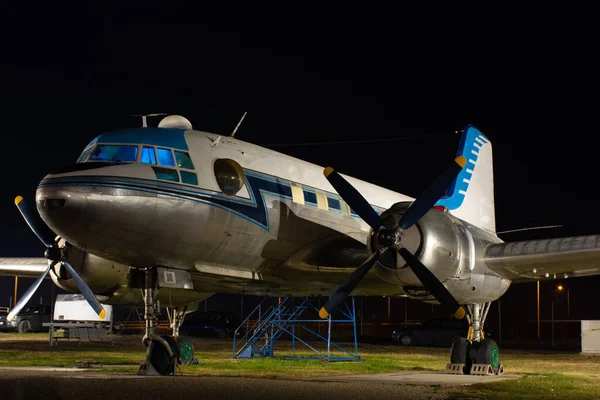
[(252, 210), (166, 137)]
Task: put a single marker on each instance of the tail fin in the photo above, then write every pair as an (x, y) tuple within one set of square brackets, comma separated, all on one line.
[(471, 197)]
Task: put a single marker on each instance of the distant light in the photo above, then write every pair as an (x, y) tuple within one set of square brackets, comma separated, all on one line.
[(566, 276), (535, 271), (547, 275), (559, 287)]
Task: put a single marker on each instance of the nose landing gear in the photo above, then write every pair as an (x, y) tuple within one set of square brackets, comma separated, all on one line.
[(164, 353)]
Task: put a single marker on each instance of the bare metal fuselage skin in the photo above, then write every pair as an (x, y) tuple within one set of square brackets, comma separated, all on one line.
[(267, 239)]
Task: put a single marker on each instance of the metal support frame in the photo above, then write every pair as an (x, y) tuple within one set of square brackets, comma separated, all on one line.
[(284, 318)]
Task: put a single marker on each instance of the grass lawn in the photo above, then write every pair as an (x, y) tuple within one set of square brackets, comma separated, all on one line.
[(545, 374)]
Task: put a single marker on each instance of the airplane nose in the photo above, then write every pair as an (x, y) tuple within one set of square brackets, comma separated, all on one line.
[(58, 208), (51, 204)]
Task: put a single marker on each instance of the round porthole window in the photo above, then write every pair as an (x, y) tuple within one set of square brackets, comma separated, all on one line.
[(229, 175)]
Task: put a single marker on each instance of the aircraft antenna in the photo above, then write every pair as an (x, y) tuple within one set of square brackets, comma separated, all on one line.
[(145, 117), (530, 229), (238, 125)]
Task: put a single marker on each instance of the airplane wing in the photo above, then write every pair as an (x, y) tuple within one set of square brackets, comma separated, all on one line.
[(532, 259), (30, 267)]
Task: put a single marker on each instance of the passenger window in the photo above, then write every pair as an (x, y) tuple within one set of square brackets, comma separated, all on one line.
[(310, 197), (114, 152), (165, 157), (297, 194), (189, 177), (183, 160), (334, 204), (148, 156), (166, 174), (322, 201)]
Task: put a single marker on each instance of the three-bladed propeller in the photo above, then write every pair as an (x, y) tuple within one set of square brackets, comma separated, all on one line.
[(389, 237), (55, 255)]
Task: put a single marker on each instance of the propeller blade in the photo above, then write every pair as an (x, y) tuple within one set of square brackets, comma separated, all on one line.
[(86, 291), (432, 283), (354, 199), (33, 222), (349, 284), (432, 194), (28, 294)]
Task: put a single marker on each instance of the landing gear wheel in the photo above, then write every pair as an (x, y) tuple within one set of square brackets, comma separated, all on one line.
[(159, 357), (185, 348), (24, 326), (459, 354), (488, 353), (406, 340)]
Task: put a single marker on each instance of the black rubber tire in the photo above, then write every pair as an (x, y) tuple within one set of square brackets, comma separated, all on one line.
[(488, 353), (159, 357), (185, 348), (24, 326), (459, 354), (405, 340)]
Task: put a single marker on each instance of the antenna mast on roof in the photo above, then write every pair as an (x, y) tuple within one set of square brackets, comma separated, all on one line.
[(145, 118), (238, 125)]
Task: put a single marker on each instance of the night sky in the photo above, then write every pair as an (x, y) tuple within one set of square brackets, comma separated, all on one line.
[(317, 74)]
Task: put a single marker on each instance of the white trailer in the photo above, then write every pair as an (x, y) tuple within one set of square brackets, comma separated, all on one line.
[(73, 318), (74, 307)]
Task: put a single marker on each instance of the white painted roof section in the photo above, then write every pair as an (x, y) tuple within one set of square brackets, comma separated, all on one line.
[(271, 162)]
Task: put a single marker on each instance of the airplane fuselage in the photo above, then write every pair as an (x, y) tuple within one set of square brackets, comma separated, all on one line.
[(244, 218)]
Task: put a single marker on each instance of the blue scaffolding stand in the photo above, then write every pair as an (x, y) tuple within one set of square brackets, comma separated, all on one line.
[(258, 334)]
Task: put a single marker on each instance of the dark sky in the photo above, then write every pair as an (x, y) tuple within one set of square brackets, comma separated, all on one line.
[(306, 73)]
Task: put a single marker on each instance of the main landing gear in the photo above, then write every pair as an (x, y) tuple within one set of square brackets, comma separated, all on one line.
[(475, 354), (163, 353)]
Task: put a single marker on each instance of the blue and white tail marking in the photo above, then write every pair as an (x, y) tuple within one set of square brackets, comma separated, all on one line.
[(471, 197)]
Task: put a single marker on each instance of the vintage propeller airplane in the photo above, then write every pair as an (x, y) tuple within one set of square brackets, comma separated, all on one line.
[(183, 214)]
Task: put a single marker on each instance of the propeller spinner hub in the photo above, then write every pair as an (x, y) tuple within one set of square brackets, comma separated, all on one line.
[(388, 238), (53, 253)]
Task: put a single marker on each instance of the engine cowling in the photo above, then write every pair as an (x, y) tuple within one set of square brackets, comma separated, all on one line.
[(435, 240), (451, 248), (102, 276)]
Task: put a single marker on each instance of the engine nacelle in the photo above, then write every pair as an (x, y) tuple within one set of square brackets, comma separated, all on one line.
[(102, 276), (450, 248)]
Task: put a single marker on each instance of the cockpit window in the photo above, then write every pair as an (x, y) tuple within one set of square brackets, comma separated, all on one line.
[(148, 155), (166, 174), (183, 160), (114, 152), (84, 155), (165, 157)]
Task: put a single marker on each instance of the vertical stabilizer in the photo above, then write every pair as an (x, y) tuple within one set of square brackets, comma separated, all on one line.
[(471, 197)]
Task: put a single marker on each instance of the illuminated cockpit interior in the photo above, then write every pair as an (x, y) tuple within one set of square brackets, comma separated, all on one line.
[(114, 152), (170, 162)]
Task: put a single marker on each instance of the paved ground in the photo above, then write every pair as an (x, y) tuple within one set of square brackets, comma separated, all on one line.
[(67, 384), (416, 378)]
